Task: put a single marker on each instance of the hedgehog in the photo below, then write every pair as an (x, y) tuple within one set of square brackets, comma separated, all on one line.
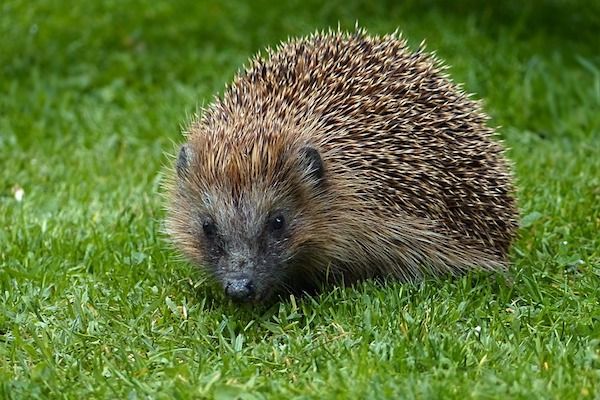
[(335, 158)]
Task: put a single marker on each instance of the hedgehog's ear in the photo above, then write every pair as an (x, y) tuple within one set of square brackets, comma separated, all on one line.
[(183, 161), (312, 163)]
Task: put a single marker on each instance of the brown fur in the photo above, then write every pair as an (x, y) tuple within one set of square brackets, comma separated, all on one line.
[(413, 183)]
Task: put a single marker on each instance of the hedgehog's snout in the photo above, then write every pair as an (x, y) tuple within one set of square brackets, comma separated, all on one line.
[(240, 289), (239, 282)]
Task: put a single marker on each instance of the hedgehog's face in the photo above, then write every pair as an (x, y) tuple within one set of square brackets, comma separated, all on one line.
[(243, 229)]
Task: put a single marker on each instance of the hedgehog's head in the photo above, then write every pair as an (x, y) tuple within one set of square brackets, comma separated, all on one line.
[(247, 210)]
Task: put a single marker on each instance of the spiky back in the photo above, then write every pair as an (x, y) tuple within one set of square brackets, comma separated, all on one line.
[(407, 147)]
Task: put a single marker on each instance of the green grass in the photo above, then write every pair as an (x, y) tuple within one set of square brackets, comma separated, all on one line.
[(95, 304)]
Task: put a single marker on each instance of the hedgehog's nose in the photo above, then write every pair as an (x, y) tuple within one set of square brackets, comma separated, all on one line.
[(240, 289)]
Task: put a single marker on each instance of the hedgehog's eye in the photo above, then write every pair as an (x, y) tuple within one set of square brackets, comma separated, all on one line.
[(209, 228), (276, 223)]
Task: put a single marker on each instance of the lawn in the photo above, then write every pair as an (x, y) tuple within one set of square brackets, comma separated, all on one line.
[(94, 302)]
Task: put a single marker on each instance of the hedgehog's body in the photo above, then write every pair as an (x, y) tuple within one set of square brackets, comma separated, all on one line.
[(341, 156)]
